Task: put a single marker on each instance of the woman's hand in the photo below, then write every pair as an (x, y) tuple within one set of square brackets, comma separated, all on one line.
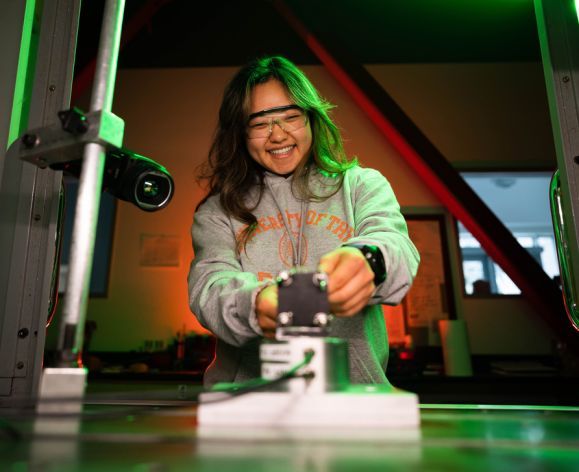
[(266, 310), (350, 280)]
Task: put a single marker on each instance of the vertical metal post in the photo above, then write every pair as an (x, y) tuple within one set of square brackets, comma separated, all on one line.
[(86, 213), (558, 28)]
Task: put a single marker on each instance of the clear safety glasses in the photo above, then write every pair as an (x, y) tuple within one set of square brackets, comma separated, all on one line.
[(288, 118)]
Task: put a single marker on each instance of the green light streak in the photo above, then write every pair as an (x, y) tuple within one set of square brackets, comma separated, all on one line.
[(577, 9), (437, 406), (24, 74)]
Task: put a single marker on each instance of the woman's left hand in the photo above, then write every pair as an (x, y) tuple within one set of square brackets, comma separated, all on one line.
[(350, 280), (266, 310)]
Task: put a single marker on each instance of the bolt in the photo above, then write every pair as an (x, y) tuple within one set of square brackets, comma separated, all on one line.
[(321, 319), (30, 140), (566, 78), (37, 217), (52, 88), (22, 333), (20, 365), (320, 280), (284, 278), (285, 318)]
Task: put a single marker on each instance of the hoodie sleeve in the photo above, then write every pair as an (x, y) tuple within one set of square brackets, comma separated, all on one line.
[(220, 294), (378, 222)]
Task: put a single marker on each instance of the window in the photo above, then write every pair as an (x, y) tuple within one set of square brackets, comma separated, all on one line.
[(521, 201)]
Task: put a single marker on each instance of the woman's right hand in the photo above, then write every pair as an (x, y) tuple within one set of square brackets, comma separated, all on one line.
[(266, 310)]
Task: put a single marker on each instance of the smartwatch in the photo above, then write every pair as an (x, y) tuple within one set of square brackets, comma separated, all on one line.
[(375, 259)]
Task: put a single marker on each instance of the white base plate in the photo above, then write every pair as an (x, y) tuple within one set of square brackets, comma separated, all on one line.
[(61, 393), (362, 406)]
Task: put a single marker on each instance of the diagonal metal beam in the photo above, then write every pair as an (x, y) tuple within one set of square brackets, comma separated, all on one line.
[(436, 172)]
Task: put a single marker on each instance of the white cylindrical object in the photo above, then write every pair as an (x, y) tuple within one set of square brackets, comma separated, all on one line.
[(455, 348)]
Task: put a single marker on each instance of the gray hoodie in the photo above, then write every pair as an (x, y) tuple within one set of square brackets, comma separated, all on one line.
[(223, 281)]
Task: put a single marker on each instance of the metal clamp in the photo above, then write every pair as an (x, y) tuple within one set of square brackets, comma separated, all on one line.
[(303, 304), (64, 141)]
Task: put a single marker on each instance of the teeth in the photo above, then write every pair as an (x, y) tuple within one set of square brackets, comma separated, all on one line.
[(282, 150)]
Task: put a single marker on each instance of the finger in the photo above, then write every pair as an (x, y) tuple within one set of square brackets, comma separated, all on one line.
[(351, 285), (266, 308), (354, 294), (351, 274), (266, 322), (355, 303)]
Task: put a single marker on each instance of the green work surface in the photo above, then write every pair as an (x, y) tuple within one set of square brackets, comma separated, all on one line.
[(166, 438)]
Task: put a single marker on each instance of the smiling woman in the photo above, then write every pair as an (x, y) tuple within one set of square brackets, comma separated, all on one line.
[(283, 195)]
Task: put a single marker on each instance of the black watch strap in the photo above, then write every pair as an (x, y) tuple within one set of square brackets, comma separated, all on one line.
[(375, 259)]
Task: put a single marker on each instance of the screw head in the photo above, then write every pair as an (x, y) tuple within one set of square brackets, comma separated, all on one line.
[(20, 365), (22, 333), (321, 319), (320, 280), (285, 318), (30, 140), (285, 278)]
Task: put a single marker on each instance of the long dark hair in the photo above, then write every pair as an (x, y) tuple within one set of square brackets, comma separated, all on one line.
[(230, 170)]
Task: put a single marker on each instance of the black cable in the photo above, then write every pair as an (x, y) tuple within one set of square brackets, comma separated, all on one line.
[(53, 301), (214, 396)]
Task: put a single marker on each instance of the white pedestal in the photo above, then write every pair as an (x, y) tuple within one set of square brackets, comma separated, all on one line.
[(359, 406)]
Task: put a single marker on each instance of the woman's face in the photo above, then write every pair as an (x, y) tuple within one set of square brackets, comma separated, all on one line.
[(279, 136)]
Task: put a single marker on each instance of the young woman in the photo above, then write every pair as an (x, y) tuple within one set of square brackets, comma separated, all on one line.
[(283, 194)]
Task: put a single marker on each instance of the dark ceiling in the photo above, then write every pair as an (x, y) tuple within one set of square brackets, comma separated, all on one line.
[(189, 33)]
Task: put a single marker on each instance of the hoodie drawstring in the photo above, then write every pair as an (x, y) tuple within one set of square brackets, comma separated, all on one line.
[(296, 245)]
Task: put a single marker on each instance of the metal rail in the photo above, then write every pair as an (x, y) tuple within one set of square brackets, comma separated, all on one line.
[(565, 265)]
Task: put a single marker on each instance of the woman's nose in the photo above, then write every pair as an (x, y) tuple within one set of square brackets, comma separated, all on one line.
[(277, 132)]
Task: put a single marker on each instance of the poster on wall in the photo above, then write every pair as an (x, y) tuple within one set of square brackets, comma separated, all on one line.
[(430, 298)]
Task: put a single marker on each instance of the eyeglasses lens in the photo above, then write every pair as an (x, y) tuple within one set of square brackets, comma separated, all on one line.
[(262, 126)]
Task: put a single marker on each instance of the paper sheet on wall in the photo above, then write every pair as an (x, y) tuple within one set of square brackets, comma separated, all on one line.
[(426, 300), (395, 326), (159, 250)]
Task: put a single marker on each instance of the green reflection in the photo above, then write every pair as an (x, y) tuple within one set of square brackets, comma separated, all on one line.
[(440, 406), (25, 73)]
